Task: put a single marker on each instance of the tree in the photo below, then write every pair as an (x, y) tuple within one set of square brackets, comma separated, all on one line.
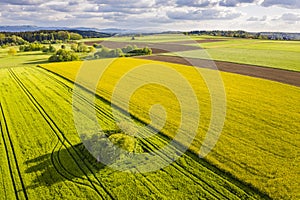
[(75, 36), (74, 47), (82, 48), (119, 53), (50, 49), (63, 35), (12, 51), (147, 51), (63, 55), (92, 49)]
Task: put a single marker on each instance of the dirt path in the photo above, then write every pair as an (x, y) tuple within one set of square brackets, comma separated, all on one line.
[(279, 75)]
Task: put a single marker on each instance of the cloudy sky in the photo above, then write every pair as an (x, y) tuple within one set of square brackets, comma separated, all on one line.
[(156, 15)]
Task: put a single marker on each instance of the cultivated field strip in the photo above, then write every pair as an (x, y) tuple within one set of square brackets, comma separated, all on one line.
[(41, 111), (259, 143), (229, 191), (13, 165), (82, 165), (197, 179)]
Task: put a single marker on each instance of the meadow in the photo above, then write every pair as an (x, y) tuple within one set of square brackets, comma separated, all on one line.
[(259, 143), (274, 54)]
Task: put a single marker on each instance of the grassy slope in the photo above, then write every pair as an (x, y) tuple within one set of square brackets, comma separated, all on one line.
[(52, 166), (260, 140)]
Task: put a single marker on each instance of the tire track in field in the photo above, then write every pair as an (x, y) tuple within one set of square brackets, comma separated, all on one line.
[(8, 158), (79, 153), (81, 97), (58, 132), (58, 168), (99, 110), (203, 184), (192, 176), (5, 129), (52, 125), (177, 167)]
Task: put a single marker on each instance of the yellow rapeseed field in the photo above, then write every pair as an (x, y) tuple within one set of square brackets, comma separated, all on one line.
[(260, 141)]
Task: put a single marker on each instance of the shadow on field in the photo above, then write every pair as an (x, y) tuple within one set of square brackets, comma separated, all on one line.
[(37, 62), (72, 164)]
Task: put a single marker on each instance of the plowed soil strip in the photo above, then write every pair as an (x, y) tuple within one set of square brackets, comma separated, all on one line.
[(279, 75)]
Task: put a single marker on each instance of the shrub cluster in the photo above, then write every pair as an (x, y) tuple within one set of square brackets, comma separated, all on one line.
[(50, 49), (113, 146), (36, 46), (64, 55), (104, 52)]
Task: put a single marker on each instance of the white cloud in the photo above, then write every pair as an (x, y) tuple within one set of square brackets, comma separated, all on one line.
[(256, 19), (293, 4), (202, 14), (153, 14)]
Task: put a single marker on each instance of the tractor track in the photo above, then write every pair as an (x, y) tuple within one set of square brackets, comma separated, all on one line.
[(58, 132), (163, 138), (5, 129), (204, 185), (177, 167), (57, 168)]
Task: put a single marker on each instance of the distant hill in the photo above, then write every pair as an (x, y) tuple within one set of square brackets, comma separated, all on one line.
[(29, 28)]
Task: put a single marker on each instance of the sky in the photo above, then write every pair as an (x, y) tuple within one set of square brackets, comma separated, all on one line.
[(155, 15)]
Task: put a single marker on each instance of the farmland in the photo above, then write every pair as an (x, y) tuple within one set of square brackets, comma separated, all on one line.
[(256, 156), (250, 123), (48, 160), (275, 54)]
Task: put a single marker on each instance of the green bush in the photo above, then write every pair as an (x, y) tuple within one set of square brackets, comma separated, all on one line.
[(111, 148), (50, 49), (128, 51), (12, 51), (64, 55), (36, 46)]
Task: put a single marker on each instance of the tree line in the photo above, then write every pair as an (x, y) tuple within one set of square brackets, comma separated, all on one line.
[(41, 36), (128, 51), (46, 37), (249, 35)]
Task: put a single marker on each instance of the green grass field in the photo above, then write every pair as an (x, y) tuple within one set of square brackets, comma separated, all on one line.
[(43, 157), (260, 141), (289, 60), (275, 54), (290, 46)]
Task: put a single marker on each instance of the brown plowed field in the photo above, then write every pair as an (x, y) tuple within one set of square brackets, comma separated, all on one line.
[(283, 76)]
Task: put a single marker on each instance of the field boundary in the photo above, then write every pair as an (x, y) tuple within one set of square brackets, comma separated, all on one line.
[(274, 74)]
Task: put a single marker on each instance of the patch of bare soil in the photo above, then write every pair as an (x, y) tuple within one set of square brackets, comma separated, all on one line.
[(279, 75)]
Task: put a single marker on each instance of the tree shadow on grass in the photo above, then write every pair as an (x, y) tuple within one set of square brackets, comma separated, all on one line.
[(72, 164), (37, 62)]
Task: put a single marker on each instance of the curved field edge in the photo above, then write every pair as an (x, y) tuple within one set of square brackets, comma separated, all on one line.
[(54, 166), (260, 141)]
